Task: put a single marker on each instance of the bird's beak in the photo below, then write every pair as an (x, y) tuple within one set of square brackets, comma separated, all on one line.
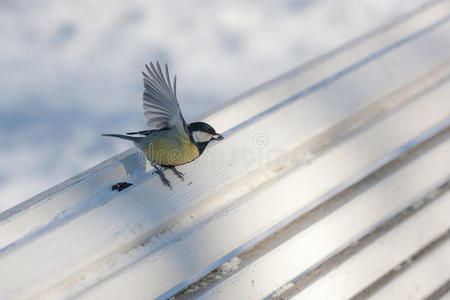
[(218, 137)]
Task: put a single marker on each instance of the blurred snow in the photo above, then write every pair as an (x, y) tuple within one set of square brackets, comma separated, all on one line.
[(70, 71)]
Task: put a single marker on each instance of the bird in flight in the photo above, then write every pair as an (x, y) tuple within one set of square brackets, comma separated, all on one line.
[(171, 141)]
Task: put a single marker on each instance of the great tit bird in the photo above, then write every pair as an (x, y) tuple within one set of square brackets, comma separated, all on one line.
[(171, 141)]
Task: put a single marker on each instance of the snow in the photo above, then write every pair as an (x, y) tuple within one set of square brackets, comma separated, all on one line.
[(70, 71)]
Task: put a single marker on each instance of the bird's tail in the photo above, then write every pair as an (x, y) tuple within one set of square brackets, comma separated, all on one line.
[(125, 137)]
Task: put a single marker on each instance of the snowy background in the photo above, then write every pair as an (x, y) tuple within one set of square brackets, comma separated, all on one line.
[(70, 71)]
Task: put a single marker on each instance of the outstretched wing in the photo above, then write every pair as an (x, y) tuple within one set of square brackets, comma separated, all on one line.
[(160, 102)]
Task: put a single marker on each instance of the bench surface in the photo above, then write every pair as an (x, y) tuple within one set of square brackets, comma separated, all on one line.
[(332, 182)]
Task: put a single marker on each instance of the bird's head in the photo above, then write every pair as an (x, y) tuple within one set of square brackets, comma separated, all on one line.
[(202, 132)]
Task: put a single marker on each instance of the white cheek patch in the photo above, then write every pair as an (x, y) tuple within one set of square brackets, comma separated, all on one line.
[(201, 136)]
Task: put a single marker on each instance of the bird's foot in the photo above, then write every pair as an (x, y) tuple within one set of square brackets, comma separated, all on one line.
[(161, 175), (177, 173), (120, 186)]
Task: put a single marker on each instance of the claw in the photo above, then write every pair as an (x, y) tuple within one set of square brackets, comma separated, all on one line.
[(166, 182), (161, 176), (178, 173)]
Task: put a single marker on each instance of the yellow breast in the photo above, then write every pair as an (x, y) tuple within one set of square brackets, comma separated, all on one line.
[(171, 148)]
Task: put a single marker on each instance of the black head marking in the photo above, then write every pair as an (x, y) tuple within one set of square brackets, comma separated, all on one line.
[(202, 127)]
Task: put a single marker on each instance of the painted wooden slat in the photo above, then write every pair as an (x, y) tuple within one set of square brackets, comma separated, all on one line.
[(73, 197), (421, 279), (307, 248), (382, 255)]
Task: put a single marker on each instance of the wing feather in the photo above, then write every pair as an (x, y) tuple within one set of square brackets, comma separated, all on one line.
[(160, 102)]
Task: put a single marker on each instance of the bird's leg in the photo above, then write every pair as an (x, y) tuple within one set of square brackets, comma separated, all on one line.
[(177, 173), (163, 178)]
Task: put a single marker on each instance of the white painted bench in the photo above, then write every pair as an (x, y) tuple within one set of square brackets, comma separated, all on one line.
[(332, 182)]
